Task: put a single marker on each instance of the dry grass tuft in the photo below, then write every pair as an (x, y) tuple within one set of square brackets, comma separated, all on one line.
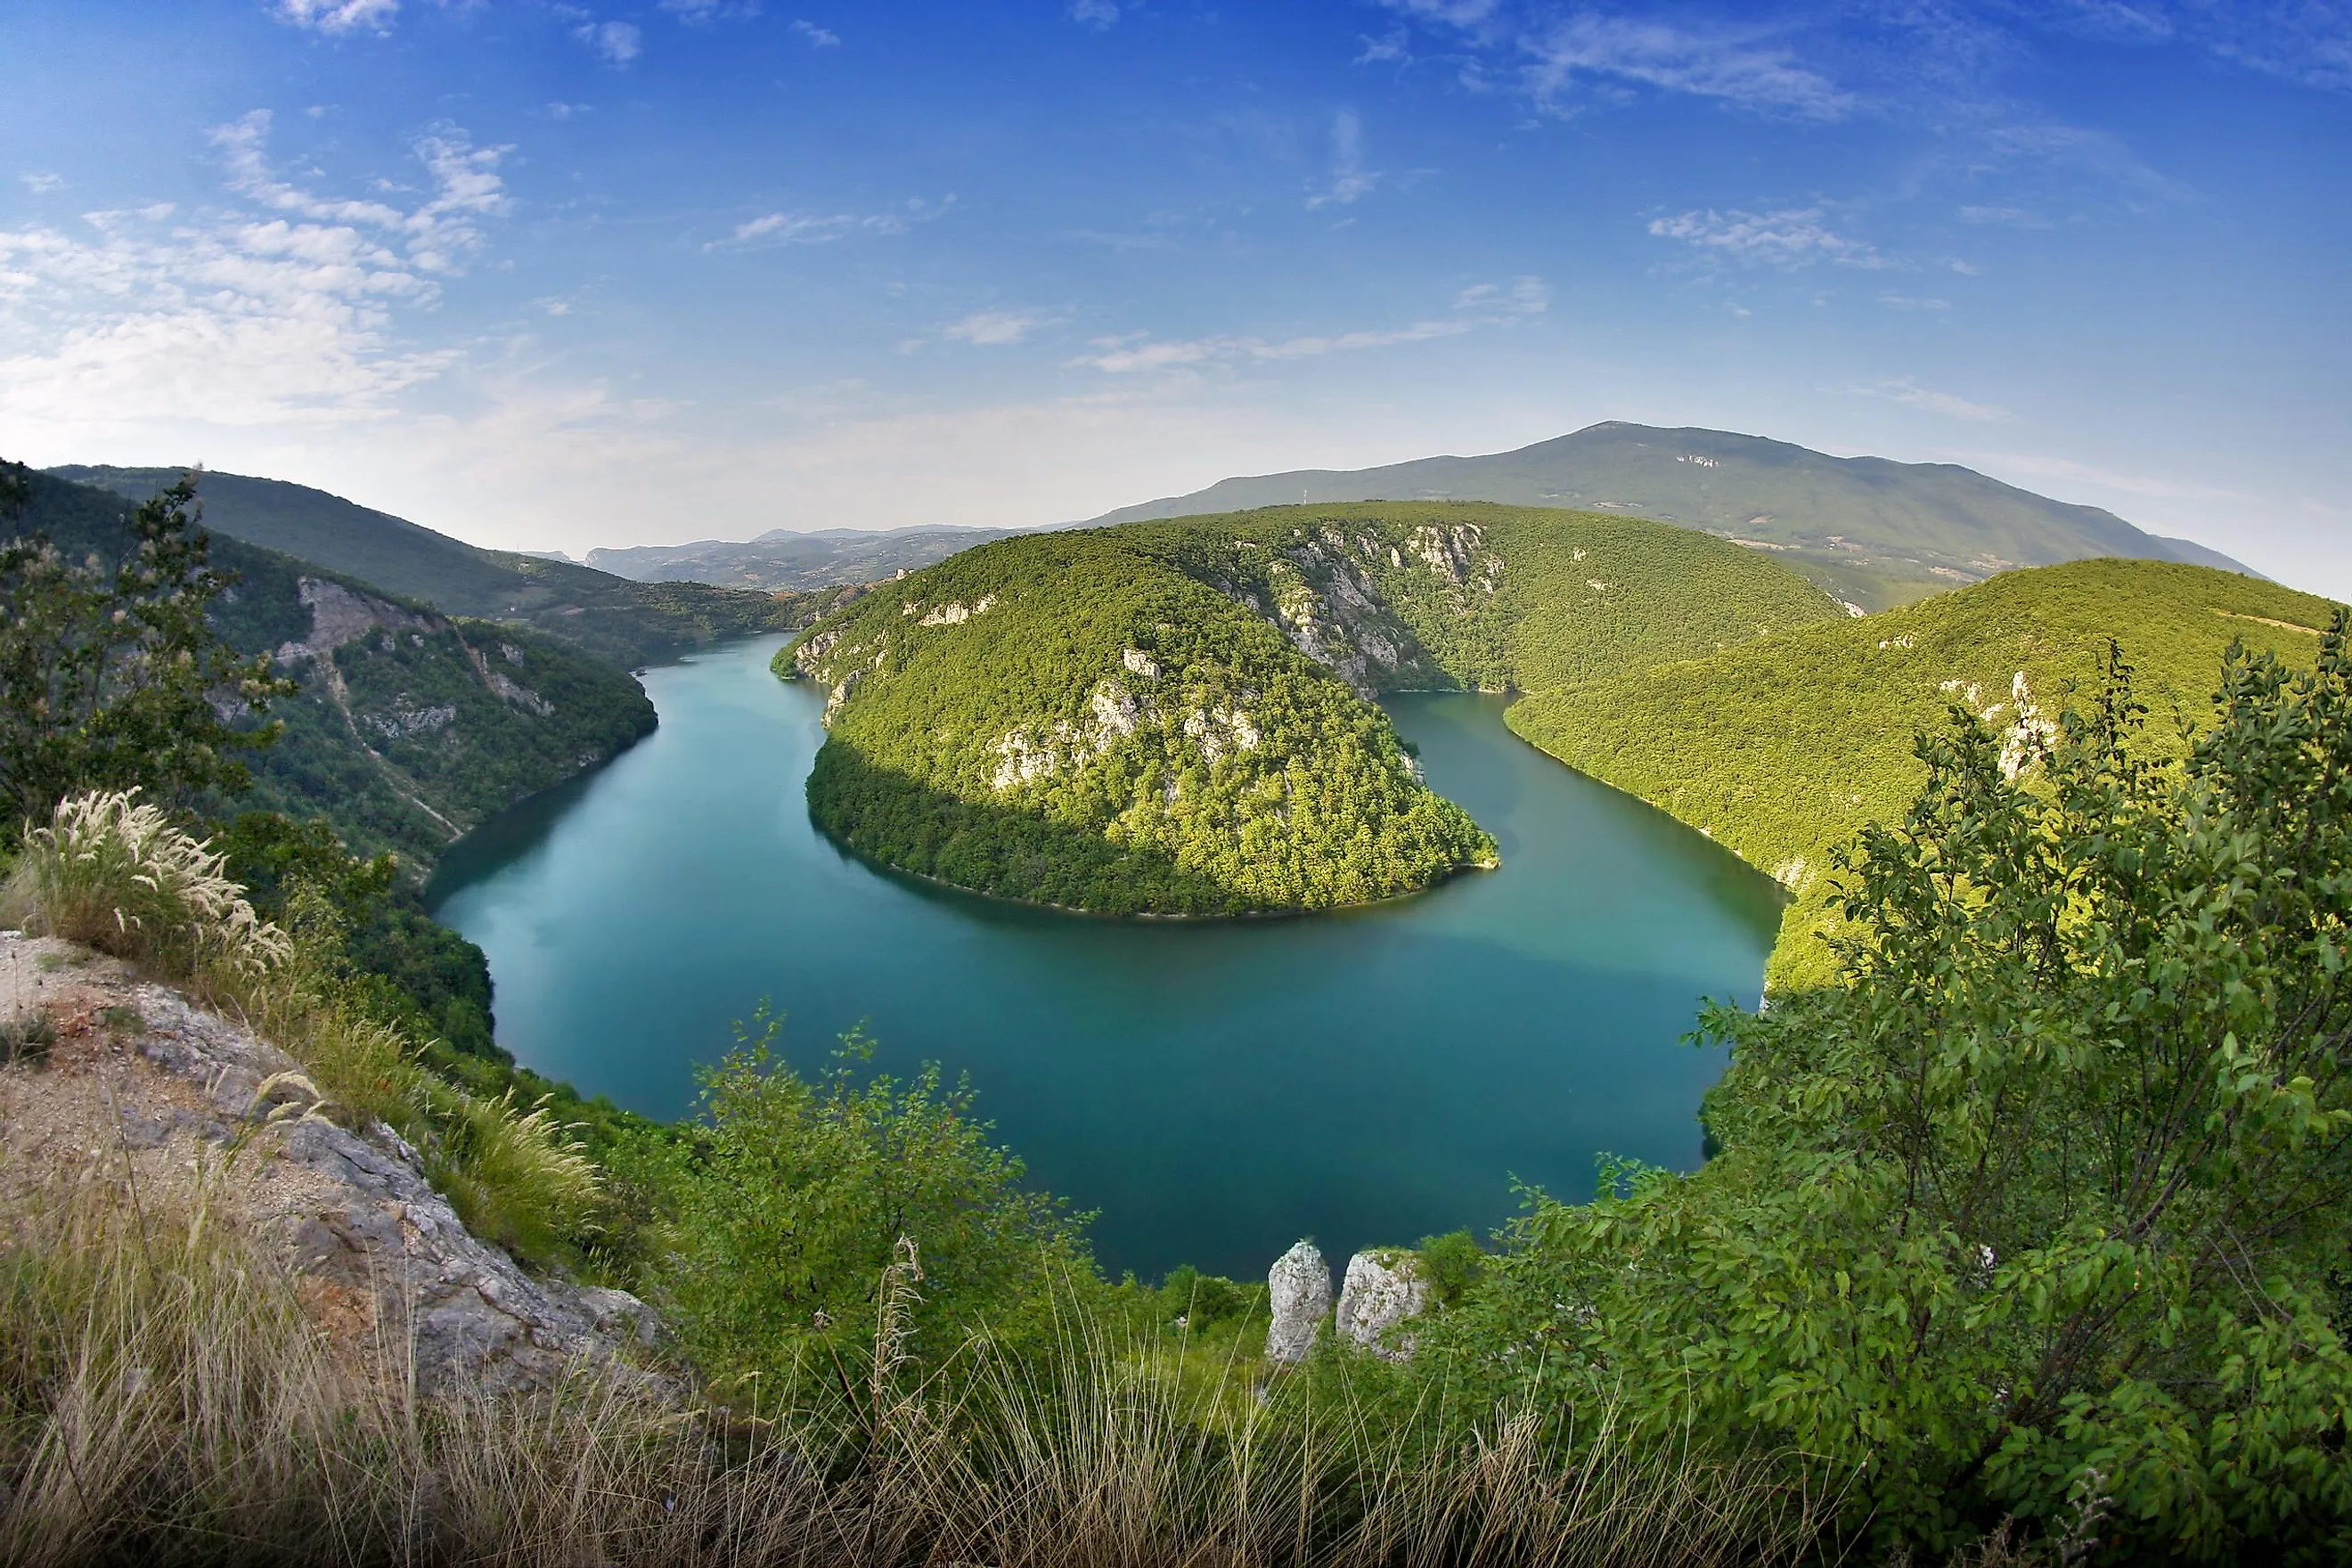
[(111, 872), (164, 1397)]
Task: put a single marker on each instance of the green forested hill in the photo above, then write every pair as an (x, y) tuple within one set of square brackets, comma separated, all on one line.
[(1170, 717), (1874, 531), (408, 727), (1786, 746), (622, 622)]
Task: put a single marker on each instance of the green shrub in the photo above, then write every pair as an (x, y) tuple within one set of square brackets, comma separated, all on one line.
[(2042, 1211), (1452, 1264)]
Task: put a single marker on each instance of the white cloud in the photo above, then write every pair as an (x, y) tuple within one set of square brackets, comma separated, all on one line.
[(281, 311), (818, 37), (2003, 217), (1350, 181), (778, 229), (1788, 237), (1951, 405), (1736, 68), (2040, 466), (1560, 60), (1914, 302), (42, 184), (618, 42), (993, 329), (1095, 13), (337, 15), (712, 10), (1487, 305)]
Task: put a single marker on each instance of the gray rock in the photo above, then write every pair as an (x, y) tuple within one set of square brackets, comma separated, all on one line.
[(1299, 1288), (366, 1219), (1384, 1287)]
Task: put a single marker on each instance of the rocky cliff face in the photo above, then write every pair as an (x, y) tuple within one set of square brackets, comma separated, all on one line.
[(1299, 1298), (1346, 596), (142, 1086), (1384, 1287)]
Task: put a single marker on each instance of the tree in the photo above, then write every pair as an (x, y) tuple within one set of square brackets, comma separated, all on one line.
[(113, 676), (2044, 1210)]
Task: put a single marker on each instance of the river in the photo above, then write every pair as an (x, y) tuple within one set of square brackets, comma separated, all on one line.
[(1216, 1089)]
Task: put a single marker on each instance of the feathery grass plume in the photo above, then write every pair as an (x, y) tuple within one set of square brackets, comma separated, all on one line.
[(518, 1179), (110, 870)]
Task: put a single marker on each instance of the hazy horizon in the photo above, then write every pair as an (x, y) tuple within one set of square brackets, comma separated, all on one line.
[(562, 277)]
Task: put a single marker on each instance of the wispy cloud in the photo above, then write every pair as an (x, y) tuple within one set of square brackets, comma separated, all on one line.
[(1350, 181), (337, 15), (1564, 59), (1096, 13), (1745, 69), (281, 309), (1951, 404), (1788, 237), (618, 42), (699, 11), (2004, 217), (818, 37), (2042, 467), (770, 230), (42, 184), (2303, 41), (1487, 305), (1914, 302), (995, 328)]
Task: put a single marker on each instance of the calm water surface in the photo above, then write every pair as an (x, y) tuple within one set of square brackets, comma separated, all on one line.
[(1216, 1089)]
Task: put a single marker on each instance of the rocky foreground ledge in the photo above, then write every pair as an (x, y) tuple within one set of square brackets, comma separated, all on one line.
[(138, 1085)]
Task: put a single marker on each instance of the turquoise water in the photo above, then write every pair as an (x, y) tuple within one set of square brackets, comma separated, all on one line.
[(1216, 1089)]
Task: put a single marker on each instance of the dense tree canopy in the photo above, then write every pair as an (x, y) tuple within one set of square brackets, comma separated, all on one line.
[(2043, 1208)]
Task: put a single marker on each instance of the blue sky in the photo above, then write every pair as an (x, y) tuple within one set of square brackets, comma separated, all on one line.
[(563, 275)]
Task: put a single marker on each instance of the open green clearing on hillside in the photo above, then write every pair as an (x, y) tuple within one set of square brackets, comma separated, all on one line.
[(1173, 717), (1786, 747)]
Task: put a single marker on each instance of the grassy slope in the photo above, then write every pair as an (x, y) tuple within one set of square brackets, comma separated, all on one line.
[(1786, 746), (622, 622), (1872, 530), (1321, 810), (490, 751)]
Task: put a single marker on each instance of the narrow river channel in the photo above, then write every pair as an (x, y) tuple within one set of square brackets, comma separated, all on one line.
[(1216, 1089)]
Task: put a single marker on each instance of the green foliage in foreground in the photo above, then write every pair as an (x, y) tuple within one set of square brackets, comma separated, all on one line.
[(1146, 719), (797, 1209), (2042, 1210), (1791, 744)]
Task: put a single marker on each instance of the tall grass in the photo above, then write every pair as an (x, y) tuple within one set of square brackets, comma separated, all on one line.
[(113, 872), (164, 1396)]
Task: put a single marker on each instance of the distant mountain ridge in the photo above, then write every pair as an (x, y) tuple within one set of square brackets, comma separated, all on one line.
[(1872, 531), (784, 558), (624, 622)]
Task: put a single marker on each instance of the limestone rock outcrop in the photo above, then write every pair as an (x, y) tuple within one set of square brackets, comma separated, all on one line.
[(1298, 1288), (141, 1079), (1384, 1287)]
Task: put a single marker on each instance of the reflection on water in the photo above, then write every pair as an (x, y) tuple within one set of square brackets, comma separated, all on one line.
[(1216, 1088)]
